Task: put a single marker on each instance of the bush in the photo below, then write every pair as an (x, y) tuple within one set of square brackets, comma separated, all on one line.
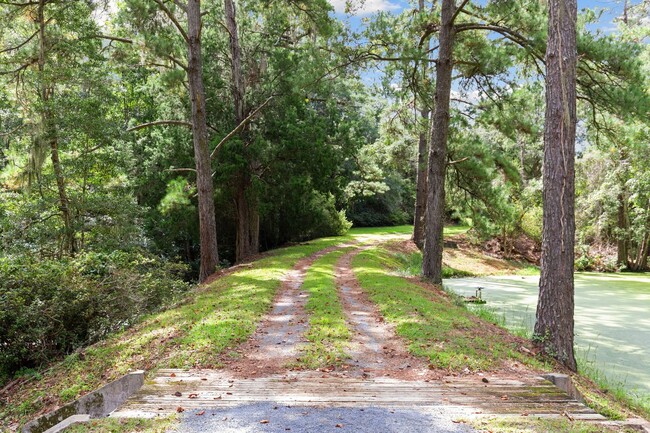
[(595, 259), (51, 307), (388, 208), (327, 221), (531, 223)]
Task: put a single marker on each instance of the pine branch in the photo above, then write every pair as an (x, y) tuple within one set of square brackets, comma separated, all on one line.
[(160, 122), (114, 38), (173, 19), (22, 44)]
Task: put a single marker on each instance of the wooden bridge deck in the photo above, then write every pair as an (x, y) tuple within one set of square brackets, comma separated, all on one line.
[(197, 389)]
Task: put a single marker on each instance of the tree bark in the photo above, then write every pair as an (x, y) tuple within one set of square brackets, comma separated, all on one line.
[(50, 137), (435, 211), (238, 86), (421, 175), (247, 238), (522, 161), (421, 186), (205, 188), (248, 221), (641, 262), (554, 327), (621, 242)]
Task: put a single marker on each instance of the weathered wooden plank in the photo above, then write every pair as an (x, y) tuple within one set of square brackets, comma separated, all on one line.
[(534, 397)]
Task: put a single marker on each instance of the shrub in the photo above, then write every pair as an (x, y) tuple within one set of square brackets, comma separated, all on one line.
[(531, 223), (390, 207), (52, 307)]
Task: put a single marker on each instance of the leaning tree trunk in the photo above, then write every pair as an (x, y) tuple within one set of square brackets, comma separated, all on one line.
[(245, 199), (435, 211), (50, 136), (554, 324), (421, 187), (207, 223)]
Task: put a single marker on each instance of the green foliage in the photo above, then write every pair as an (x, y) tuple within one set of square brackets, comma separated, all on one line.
[(390, 207), (51, 307), (177, 198), (593, 261)]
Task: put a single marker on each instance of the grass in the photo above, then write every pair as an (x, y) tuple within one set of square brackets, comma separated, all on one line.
[(195, 333), (610, 398), (435, 326), (328, 334), (117, 425), (213, 319), (541, 425)]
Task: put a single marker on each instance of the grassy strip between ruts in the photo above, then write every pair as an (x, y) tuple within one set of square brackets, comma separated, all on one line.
[(193, 334), (435, 326), (328, 334)]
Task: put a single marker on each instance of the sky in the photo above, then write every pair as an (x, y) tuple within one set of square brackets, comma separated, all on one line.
[(360, 9), (611, 10)]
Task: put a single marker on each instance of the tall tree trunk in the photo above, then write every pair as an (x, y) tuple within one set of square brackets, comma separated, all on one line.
[(238, 86), (421, 185), (621, 243), (522, 160), (421, 175), (245, 199), (641, 262), (50, 137), (554, 324), (435, 211), (207, 223), (248, 222)]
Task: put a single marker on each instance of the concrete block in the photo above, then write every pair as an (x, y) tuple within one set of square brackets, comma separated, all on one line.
[(67, 423), (563, 381), (96, 404)]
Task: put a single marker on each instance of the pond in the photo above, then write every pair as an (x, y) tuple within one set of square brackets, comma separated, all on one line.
[(612, 319)]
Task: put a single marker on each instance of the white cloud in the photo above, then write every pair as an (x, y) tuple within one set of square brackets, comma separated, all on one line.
[(363, 7)]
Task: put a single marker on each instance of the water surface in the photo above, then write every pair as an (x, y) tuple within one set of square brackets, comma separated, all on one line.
[(612, 318)]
